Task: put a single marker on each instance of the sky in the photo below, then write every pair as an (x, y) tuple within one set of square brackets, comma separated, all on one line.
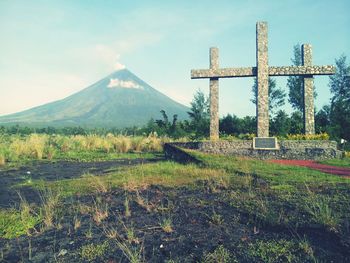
[(52, 49)]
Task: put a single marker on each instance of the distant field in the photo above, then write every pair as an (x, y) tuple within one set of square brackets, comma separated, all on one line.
[(127, 203)]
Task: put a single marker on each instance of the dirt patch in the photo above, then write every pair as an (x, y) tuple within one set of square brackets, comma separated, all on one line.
[(52, 171), (203, 217), (195, 230), (336, 170)]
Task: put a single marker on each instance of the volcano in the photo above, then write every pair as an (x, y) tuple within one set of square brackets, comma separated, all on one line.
[(119, 100)]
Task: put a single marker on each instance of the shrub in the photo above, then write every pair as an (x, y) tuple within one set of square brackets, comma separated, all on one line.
[(321, 136), (14, 223), (18, 148), (228, 137), (36, 144), (280, 251), (247, 136), (219, 255), (91, 252)]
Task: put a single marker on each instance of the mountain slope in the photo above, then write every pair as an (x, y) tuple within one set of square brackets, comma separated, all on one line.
[(119, 100)]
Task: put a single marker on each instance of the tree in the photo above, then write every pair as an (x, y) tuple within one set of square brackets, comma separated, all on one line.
[(340, 102), (281, 124), (248, 124), (199, 115), (296, 123), (339, 82), (230, 124), (173, 129), (163, 123), (295, 83), (322, 120), (276, 95)]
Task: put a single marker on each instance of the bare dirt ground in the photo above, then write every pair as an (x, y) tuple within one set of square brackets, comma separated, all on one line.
[(52, 171), (202, 219)]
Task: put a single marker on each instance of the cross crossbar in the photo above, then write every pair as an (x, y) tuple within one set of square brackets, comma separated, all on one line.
[(251, 72), (262, 71)]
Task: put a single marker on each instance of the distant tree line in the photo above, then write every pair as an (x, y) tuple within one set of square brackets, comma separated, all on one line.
[(333, 118)]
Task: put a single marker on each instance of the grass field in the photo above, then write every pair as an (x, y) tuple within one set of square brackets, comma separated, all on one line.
[(135, 206)]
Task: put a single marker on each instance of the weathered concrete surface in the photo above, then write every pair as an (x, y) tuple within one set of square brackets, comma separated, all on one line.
[(301, 70), (288, 149), (214, 95), (262, 71), (251, 71), (309, 115), (223, 73), (262, 64)]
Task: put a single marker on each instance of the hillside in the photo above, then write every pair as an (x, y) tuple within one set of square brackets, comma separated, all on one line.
[(119, 100)]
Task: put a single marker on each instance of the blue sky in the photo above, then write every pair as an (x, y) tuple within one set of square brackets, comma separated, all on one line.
[(52, 49)]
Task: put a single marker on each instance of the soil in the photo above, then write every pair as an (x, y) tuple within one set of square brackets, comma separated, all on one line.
[(190, 209), (52, 171), (193, 232), (342, 171)]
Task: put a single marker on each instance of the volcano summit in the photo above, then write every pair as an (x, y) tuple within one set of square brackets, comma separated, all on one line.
[(119, 100)]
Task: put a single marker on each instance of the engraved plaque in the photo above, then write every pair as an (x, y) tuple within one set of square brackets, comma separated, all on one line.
[(265, 143)]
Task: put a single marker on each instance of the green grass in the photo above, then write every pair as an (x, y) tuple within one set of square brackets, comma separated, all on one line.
[(92, 251), (274, 173), (80, 156), (267, 194), (93, 156), (162, 173), (17, 150), (282, 250), (220, 254), (345, 162), (14, 223), (279, 195)]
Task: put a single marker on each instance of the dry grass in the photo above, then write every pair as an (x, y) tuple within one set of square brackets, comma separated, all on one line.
[(100, 211), (32, 146), (144, 202), (127, 211), (2, 159), (42, 146), (111, 232), (97, 184), (50, 201), (77, 223), (167, 225), (140, 177)]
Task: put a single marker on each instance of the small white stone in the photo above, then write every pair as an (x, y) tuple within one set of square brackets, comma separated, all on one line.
[(161, 246), (63, 252), (28, 172)]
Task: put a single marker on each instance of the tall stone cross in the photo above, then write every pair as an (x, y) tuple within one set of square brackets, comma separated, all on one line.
[(262, 71)]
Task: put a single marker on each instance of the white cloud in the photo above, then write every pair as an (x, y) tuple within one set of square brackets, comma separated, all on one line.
[(119, 66), (128, 84)]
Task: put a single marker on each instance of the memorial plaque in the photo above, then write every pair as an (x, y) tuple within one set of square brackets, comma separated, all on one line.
[(265, 143)]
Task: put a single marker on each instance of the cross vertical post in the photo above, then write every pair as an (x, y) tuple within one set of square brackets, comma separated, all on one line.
[(214, 95), (262, 108), (262, 71), (308, 86)]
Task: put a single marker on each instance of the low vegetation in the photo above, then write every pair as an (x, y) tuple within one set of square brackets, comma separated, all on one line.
[(17, 148), (224, 209)]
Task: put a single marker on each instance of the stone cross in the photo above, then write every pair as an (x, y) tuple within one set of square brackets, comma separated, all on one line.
[(262, 71)]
